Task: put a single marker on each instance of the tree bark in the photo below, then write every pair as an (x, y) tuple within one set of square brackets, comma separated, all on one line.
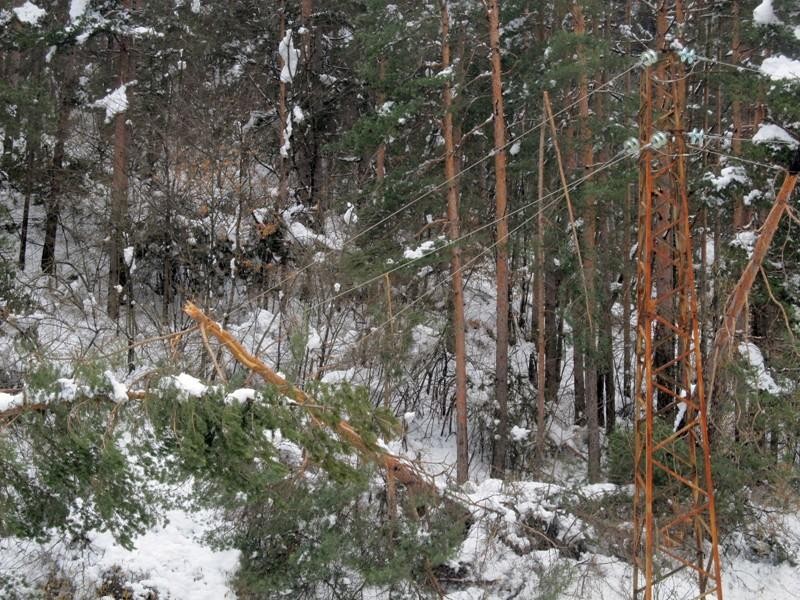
[(501, 354), (578, 385), (53, 200), (541, 371), (283, 116), (26, 209), (737, 300), (740, 216), (459, 332), (119, 185), (589, 259)]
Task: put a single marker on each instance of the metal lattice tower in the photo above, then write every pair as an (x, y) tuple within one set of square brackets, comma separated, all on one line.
[(674, 513)]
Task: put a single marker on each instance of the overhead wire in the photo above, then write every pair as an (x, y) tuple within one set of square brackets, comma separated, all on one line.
[(756, 163), (429, 192), (560, 193), (620, 157), (420, 197)]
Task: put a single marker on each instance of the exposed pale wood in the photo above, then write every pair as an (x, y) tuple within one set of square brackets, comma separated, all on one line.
[(402, 471)]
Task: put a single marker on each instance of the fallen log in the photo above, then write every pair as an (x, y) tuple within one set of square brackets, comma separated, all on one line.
[(401, 470)]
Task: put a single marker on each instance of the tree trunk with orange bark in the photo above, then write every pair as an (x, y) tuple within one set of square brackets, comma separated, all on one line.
[(459, 332), (501, 199)]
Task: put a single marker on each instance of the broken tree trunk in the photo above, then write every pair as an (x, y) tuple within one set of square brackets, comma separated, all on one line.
[(396, 466), (738, 297)]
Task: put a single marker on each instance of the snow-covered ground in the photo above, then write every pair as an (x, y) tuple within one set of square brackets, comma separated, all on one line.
[(502, 555), (172, 558)]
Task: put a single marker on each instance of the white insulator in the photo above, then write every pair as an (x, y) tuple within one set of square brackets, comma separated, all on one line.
[(632, 147), (687, 55), (659, 140), (648, 58), (697, 137)]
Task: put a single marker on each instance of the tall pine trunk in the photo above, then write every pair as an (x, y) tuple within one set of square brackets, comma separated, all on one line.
[(283, 116), (119, 185), (459, 333), (589, 260), (53, 200), (541, 370), (501, 198)]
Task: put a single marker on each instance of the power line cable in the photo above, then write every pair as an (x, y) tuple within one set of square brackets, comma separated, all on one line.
[(620, 157), (430, 191), (448, 276)]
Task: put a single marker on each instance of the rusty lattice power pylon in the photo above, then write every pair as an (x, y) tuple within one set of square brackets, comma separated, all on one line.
[(674, 515)]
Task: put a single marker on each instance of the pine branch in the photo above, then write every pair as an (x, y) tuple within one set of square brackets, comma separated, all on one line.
[(397, 467)]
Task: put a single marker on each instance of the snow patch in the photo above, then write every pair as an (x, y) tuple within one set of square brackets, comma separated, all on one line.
[(77, 8), (781, 67), (127, 254), (386, 108), (770, 133), (114, 103), (727, 176), (333, 377), (169, 558), (287, 137), (29, 13), (240, 396), (69, 390), (763, 379), (417, 253), (119, 391), (290, 57), (764, 14), (745, 240), (327, 80), (350, 217), (9, 401), (519, 434), (751, 196), (682, 406), (314, 342), (188, 385)]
